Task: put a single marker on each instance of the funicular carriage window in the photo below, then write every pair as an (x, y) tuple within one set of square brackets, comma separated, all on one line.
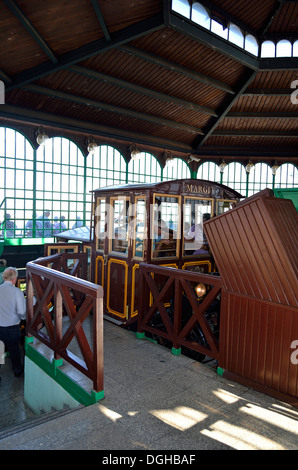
[(196, 212), (224, 205), (100, 226), (119, 225), (166, 226), (139, 229)]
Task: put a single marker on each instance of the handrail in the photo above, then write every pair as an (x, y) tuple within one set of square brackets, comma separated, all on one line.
[(172, 326), (75, 298), (59, 261)]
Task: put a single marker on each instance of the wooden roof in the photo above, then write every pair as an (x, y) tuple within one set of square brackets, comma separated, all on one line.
[(137, 72)]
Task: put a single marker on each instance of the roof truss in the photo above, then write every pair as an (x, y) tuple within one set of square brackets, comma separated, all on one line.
[(122, 40)]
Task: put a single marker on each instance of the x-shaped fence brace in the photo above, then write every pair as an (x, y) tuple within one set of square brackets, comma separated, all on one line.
[(53, 288), (177, 282)]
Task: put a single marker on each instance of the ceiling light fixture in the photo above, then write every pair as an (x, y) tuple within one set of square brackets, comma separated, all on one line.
[(91, 145), (41, 136), (169, 159), (274, 169), (249, 166), (222, 166), (134, 152)]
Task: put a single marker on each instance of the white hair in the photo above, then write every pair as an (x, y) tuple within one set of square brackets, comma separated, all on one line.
[(9, 274)]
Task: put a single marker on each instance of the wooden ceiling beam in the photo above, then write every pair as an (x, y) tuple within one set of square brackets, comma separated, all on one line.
[(101, 20), (113, 109), (211, 40), (33, 118), (276, 9), (30, 28), (142, 90), (177, 68), (257, 115), (267, 92), (89, 50), (40, 118), (224, 109), (5, 78), (237, 133), (278, 63)]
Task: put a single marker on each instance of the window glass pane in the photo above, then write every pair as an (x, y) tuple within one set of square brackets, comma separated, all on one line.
[(15, 187), (268, 49), (176, 169), (251, 45), (182, 7), (58, 183), (145, 169), (295, 49), (283, 48), (10, 143), (104, 158), (2, 141), (119, 225), (209, 171), (200, 15), (100, 224), (259, 178), (218, 29), (196, 212), (224, 206), (165, 226), (139, 229), (234, 176), (236, 36), (286, 176)]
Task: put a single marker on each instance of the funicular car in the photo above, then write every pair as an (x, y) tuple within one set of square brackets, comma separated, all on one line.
[(159, 223)]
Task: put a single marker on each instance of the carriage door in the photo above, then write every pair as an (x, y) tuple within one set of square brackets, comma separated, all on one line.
[(116, 259)]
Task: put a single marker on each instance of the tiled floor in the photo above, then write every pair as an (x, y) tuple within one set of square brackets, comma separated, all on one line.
[(12, 408)]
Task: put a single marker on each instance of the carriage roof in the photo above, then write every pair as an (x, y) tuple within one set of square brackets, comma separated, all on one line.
[(178, 186)]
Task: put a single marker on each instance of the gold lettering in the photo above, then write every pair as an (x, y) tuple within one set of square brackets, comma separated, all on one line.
[(193, 188)]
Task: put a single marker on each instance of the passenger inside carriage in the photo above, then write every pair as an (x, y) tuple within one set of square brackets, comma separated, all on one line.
[(164, 243), (197, 233)]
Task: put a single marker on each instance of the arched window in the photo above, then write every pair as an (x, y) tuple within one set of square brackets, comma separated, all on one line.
[(218, 29), (16, 182), (283, 48), (295, 49), (260, 178), (234, 176), (209, 171), (105, 167), (236, 36), (251, 44), (60, 180), (145, 169), (176, 169), (200, 15), (286, 176), (268, 49), (182, 7)]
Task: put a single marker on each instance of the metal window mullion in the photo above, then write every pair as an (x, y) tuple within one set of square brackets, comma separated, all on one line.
[(34, 192), (85, 191)]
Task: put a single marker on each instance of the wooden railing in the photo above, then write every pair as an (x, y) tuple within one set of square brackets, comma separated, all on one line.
[(52, 294), (164, 292)]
